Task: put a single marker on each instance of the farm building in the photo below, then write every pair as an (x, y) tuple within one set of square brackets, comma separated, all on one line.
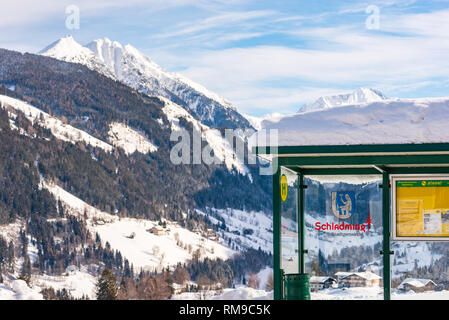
[(157, 231), (417, 285), (318, 283), (360, 279), (341, 274)]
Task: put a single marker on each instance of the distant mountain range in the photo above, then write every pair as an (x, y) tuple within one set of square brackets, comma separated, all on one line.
[(359, 96)]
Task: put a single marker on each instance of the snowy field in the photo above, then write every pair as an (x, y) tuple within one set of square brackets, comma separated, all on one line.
[(149, 251), (132, 237), (245, 293)]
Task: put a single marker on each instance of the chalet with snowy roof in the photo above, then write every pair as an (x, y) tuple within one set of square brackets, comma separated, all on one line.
[(318, 283), (341, 274), (417, 285), (360, 279)]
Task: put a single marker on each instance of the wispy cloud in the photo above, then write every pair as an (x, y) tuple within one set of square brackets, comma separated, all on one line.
[(408, 53), (219, 21)]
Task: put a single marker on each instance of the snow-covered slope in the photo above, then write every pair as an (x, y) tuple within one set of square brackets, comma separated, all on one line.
[(385, 122), (243, 229), (130, 66), (222, 148), (259, 122), (132, 237), (129, 139), (120, 135), (359, 96), (57, 127)]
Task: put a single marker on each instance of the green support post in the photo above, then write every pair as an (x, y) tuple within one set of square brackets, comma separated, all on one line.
[(386, 234), (277, 278), (301, 224), (297, 285)]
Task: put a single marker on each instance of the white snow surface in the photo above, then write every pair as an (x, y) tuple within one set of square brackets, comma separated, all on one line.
[(78, 283), (121, 135), (19, 290), (244, 293), (392, 121), (354, 293)]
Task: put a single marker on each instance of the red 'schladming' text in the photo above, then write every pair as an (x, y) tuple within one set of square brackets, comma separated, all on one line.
[(339, 226)]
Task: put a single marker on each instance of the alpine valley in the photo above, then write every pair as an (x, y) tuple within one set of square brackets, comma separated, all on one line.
[(87, 181)]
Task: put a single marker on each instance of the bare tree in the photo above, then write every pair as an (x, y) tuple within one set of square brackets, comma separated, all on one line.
[(270, 283), (253, 281), (180, 275)]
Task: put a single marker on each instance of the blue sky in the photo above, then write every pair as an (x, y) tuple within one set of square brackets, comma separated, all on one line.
[(263, 56)]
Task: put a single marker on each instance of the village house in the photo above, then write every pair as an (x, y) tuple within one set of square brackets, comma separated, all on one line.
[(318, 283), (340, 275), (157, 231), (360, 279), (417, 285)]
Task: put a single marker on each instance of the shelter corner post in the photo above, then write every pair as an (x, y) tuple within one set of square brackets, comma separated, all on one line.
[(277, 277)]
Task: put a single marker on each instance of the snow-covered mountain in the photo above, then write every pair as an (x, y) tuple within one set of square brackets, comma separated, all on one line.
[(133, 68), (67, 49), (359, 96)]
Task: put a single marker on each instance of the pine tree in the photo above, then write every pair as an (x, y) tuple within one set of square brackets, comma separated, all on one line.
[(10, 257), (26, 270), (107, 286)]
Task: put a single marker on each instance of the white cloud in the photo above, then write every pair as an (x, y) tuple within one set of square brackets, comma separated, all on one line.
[(26, 12)]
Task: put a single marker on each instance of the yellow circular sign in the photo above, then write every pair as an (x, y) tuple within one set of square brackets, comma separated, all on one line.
[(284, 188)]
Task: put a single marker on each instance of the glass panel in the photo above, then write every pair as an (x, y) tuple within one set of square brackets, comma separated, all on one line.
[(419, 270), (344, 237), (289, 225)]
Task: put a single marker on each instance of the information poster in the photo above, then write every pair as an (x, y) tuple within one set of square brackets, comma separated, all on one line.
[(421, 208)]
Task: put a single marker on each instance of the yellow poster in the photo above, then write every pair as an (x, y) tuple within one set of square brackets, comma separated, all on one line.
[(422, 208), (284, 188)]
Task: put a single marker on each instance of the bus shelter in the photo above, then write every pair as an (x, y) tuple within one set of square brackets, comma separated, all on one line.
[(413, 194)]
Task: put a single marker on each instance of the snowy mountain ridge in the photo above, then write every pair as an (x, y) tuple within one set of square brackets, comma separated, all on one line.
[(67, 49), (133, 68), (359, 96)]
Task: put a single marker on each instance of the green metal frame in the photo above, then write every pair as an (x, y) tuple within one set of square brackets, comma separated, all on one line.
[(277, 277), (386, 234), (380, 159), (363, 149)]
